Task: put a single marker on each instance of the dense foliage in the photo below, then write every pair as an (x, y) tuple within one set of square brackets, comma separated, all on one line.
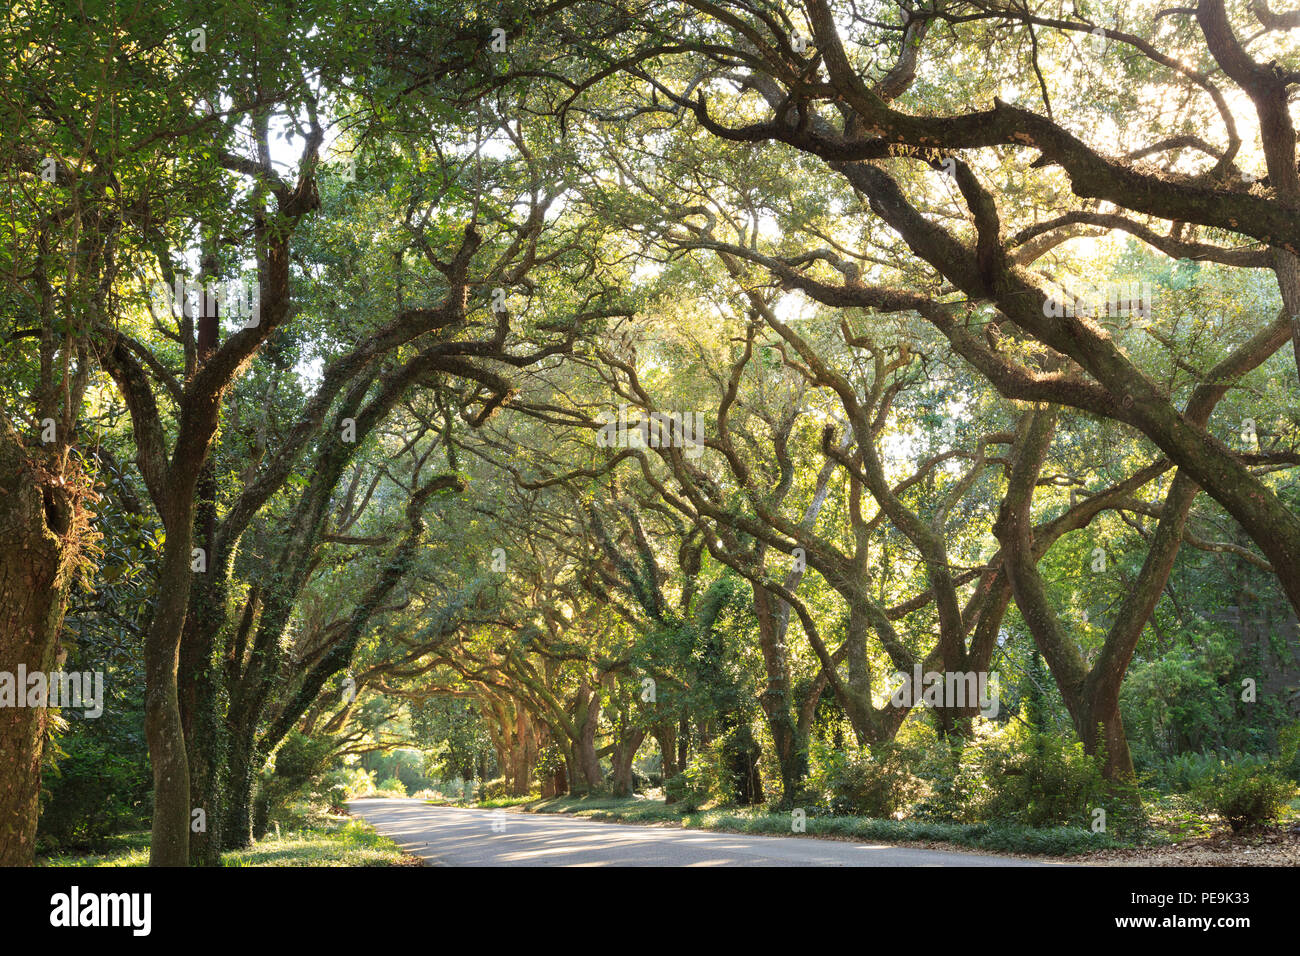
[(608, 397)]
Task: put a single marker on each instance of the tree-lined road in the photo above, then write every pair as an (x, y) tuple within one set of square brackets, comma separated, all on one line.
[(456, 836)]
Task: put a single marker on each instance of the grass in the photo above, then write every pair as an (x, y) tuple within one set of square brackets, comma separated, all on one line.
[(991, 837), (329, 841), (122, 849)]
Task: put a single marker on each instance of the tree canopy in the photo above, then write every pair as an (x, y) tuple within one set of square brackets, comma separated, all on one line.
[(600, 395)]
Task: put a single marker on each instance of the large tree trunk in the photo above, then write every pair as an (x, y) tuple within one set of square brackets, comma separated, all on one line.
[(170, 845), (199, 682), (574, 786), (523, 752), (1091, 694), (666, 734), (240, 780), (586, 717), (197, 674), (625, 748), (742, 757), (775, 700), (870, 725), (35, 563), (1104, 731), (204, 742)]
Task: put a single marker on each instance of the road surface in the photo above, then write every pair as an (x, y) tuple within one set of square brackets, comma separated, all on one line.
[(457, 836)]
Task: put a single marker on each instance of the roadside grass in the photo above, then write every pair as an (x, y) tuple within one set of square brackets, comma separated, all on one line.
[(328, 841), (442, 800), (992, 837)]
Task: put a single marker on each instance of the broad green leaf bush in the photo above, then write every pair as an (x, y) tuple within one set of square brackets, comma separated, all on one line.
[(1183, 773), (1244, 796), (697, 785), (874, 782), (93, 793), (353, 782), (289, 780), (1039, 779)]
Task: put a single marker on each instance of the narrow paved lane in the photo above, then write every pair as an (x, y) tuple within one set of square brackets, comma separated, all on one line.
[(455, 836)]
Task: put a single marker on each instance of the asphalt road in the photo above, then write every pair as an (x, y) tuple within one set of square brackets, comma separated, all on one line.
[(455, 836)]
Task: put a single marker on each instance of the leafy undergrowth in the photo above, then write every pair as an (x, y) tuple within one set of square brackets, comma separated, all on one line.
[(1193, 838), (122, 849), (346, 843), (1178, 816), (500, 802), (990, 837), (330, 841)]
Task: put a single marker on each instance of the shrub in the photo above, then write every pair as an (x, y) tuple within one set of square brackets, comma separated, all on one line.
[(336, 798), (736, 756), (695, 786), (947, 789), (298, 763), (392, 787), (938, 764), (1175, 702), (676, 791), (876, 782), (1183, 773), (1244, 796), (354, 782), (724, 772), (1288, 742), (1040, 779), (93, 793)]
